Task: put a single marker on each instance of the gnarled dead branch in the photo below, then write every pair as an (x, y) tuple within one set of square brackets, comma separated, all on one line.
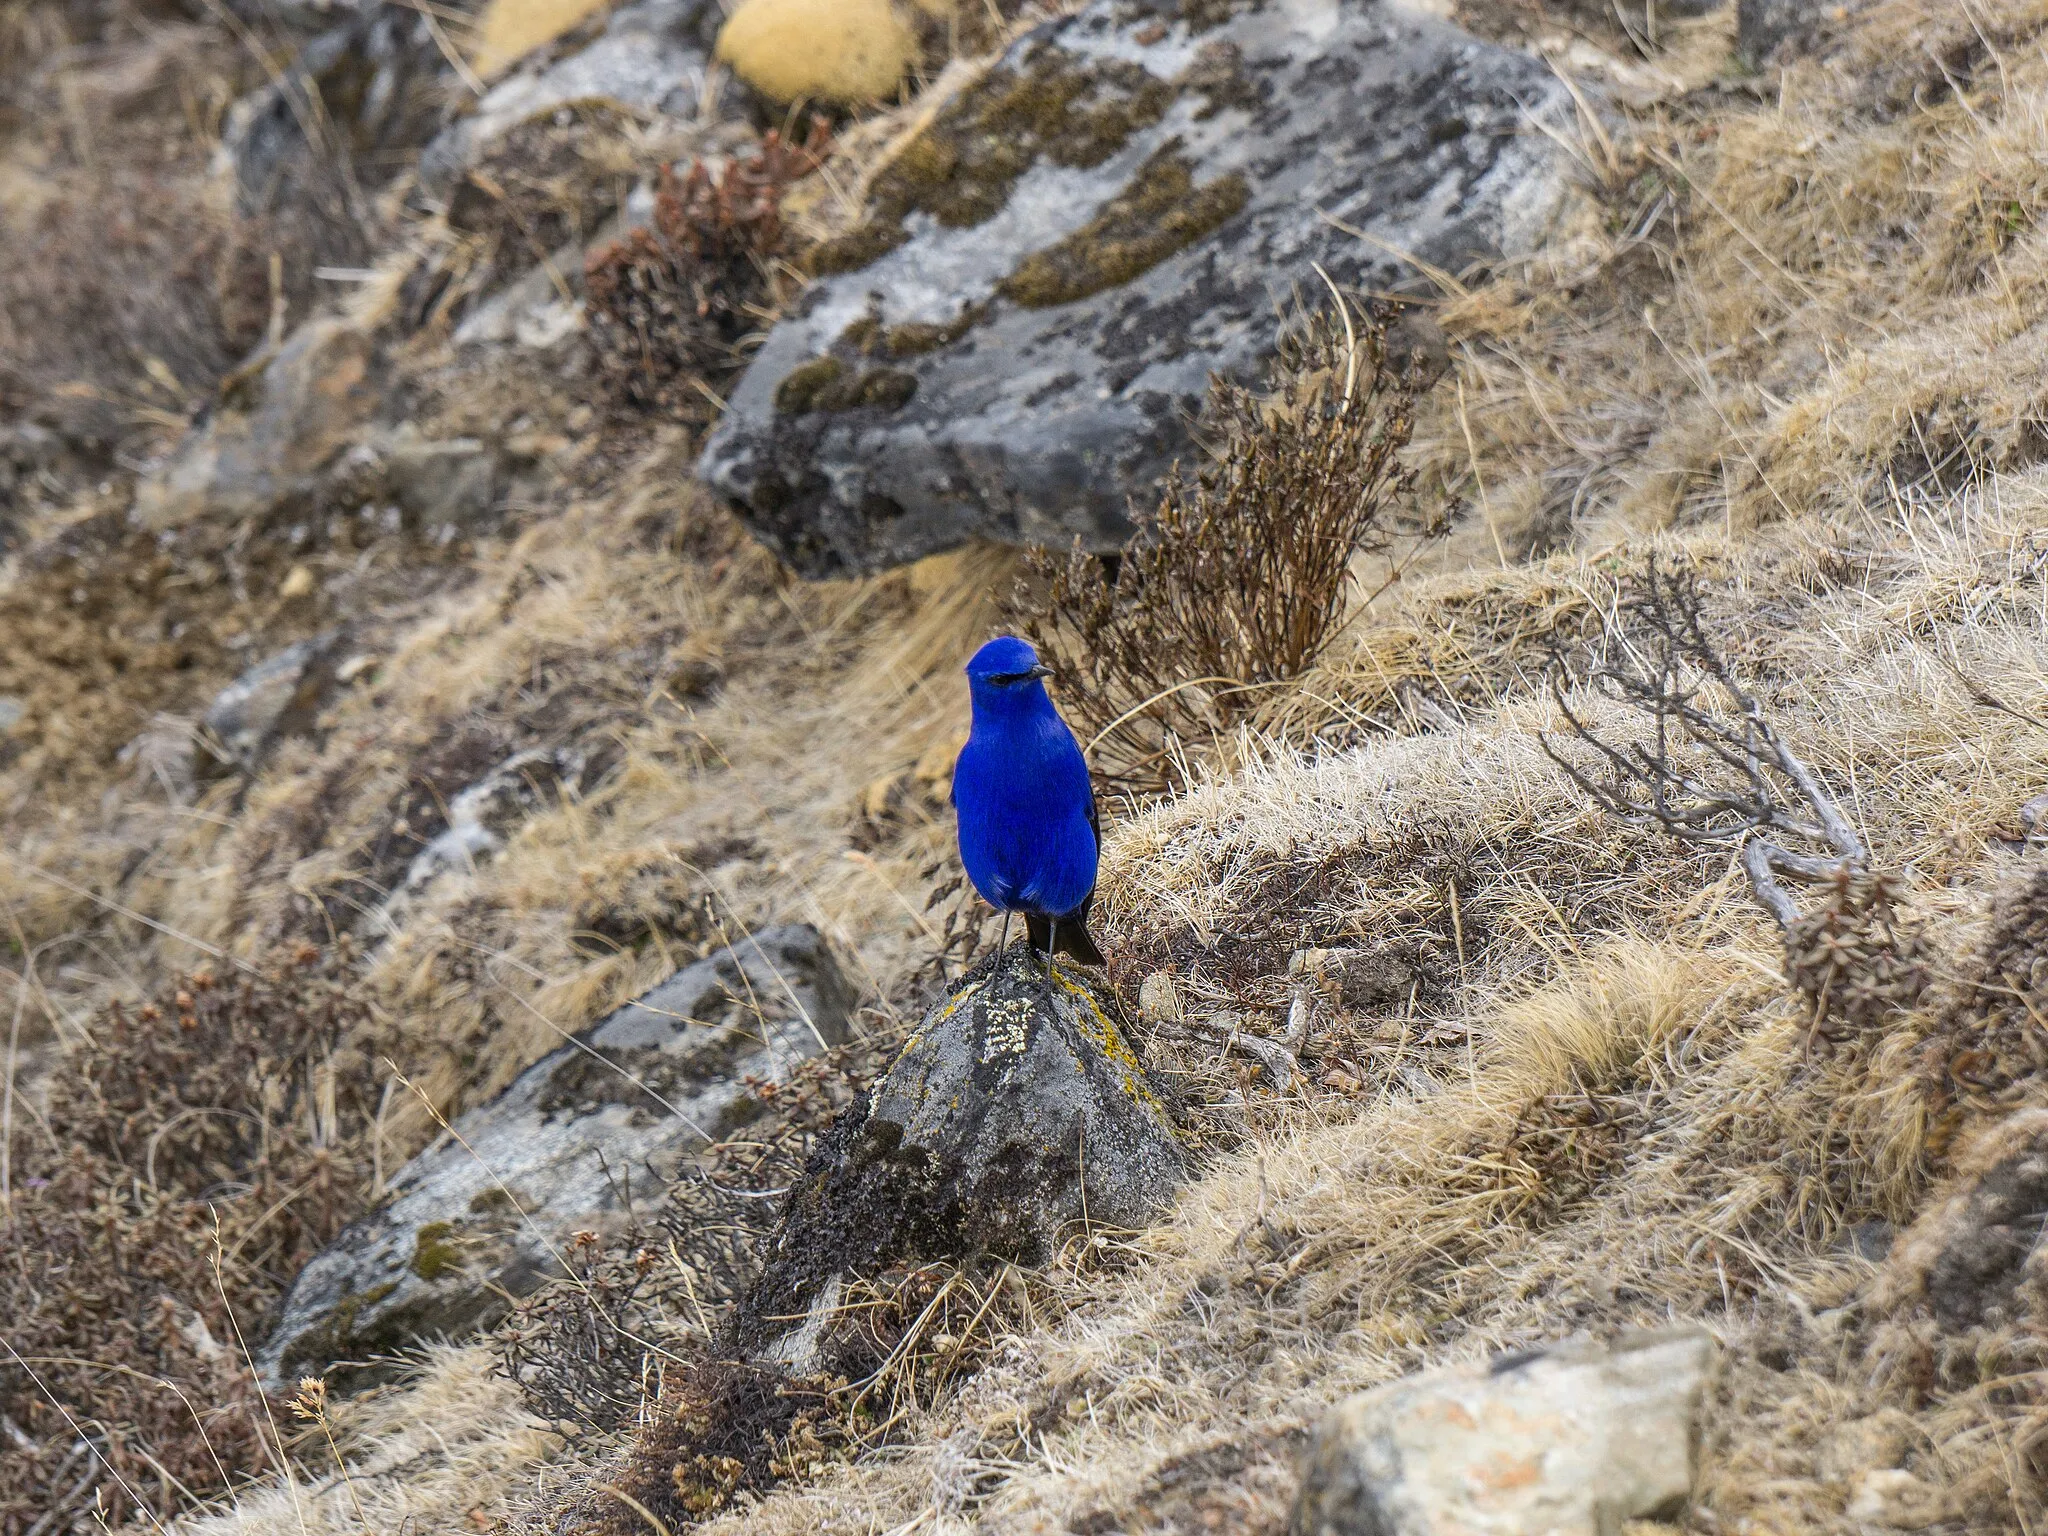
[(1714, 770)]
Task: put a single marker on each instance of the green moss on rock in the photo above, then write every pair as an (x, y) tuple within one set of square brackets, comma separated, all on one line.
[(1159, 213), (433, 1252), (915, 337), (802, 385), (827, 384), (961, 170), (866, 243)]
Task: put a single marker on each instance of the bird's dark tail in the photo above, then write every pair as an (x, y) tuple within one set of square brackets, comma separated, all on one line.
[(1072, 937)]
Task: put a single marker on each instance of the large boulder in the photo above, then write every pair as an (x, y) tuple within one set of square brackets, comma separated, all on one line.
[(1013, 342), (483, 1214), (1572, 1440), (1016, 1115)]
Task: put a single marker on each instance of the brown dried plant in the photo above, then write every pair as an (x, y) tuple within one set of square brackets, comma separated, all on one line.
[(1241, 577), (671, 303), (192, 1156)]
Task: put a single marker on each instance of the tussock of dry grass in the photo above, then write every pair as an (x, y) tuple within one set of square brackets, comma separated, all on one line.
[(1787, 307), (447, 1451)]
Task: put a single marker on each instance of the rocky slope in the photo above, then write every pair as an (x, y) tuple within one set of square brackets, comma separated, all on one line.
[(487, 562)]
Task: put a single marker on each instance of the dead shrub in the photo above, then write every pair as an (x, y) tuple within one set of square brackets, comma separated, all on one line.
[(1565, 1146), (1714, 770), (1239, 579), (1999, 1035), (192, 1156), (731, 1427), (672, 303), (1852, 959)]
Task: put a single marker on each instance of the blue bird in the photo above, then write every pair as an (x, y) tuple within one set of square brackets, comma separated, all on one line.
[(1028, 832)]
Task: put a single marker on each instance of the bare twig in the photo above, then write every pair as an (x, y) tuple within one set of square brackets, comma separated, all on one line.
[(1714, 772)]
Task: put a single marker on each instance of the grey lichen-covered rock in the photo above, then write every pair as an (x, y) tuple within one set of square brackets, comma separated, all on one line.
[(1016, 1113), (1567, 1441), (1014, 342), (481, 1215), (281, 696)]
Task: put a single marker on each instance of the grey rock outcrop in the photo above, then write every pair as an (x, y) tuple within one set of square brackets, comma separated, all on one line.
[(280, 427), (1762, 27), (1567, 1441), (363, 93), (1014, 342), (480, 816), (649, 60), (1016, 1113), (309, 430), (480, 1216), (279, 697)]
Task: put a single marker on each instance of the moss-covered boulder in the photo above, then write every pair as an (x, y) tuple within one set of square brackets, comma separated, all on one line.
[(1016, 1115), (1012, 340)]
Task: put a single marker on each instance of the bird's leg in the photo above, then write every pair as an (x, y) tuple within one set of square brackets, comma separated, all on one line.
[(1052, 945), (1003, 944)]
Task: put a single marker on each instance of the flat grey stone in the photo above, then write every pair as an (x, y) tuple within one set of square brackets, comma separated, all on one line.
[(279, 697), (282, 427), (1029, 355), (482, 1214), (1567, 1441)]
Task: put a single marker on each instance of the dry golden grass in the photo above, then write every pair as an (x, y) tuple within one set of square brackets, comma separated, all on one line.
[(1787, 304)]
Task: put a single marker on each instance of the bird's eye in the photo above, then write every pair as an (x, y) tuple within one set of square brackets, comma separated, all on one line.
[(1005, 679)]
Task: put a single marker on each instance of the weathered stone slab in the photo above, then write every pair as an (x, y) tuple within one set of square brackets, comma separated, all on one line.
[(279, 429), (1013, 343), (480, 1216), (1567, 1441)]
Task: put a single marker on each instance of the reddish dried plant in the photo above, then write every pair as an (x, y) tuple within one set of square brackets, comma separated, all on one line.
[(673, 303)]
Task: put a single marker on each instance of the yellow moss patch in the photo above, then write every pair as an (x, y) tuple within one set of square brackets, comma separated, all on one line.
[(819, 50)]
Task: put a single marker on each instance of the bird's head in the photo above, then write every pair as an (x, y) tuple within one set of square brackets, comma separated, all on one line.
[(1006, 676)]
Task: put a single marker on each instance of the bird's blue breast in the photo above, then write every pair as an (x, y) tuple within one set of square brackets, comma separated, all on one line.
[(1021, 791)]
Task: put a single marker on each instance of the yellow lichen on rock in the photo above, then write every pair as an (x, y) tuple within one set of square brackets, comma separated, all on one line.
[(819, 50)]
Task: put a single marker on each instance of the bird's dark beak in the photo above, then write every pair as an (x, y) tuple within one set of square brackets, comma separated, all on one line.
[(1041, 670)]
